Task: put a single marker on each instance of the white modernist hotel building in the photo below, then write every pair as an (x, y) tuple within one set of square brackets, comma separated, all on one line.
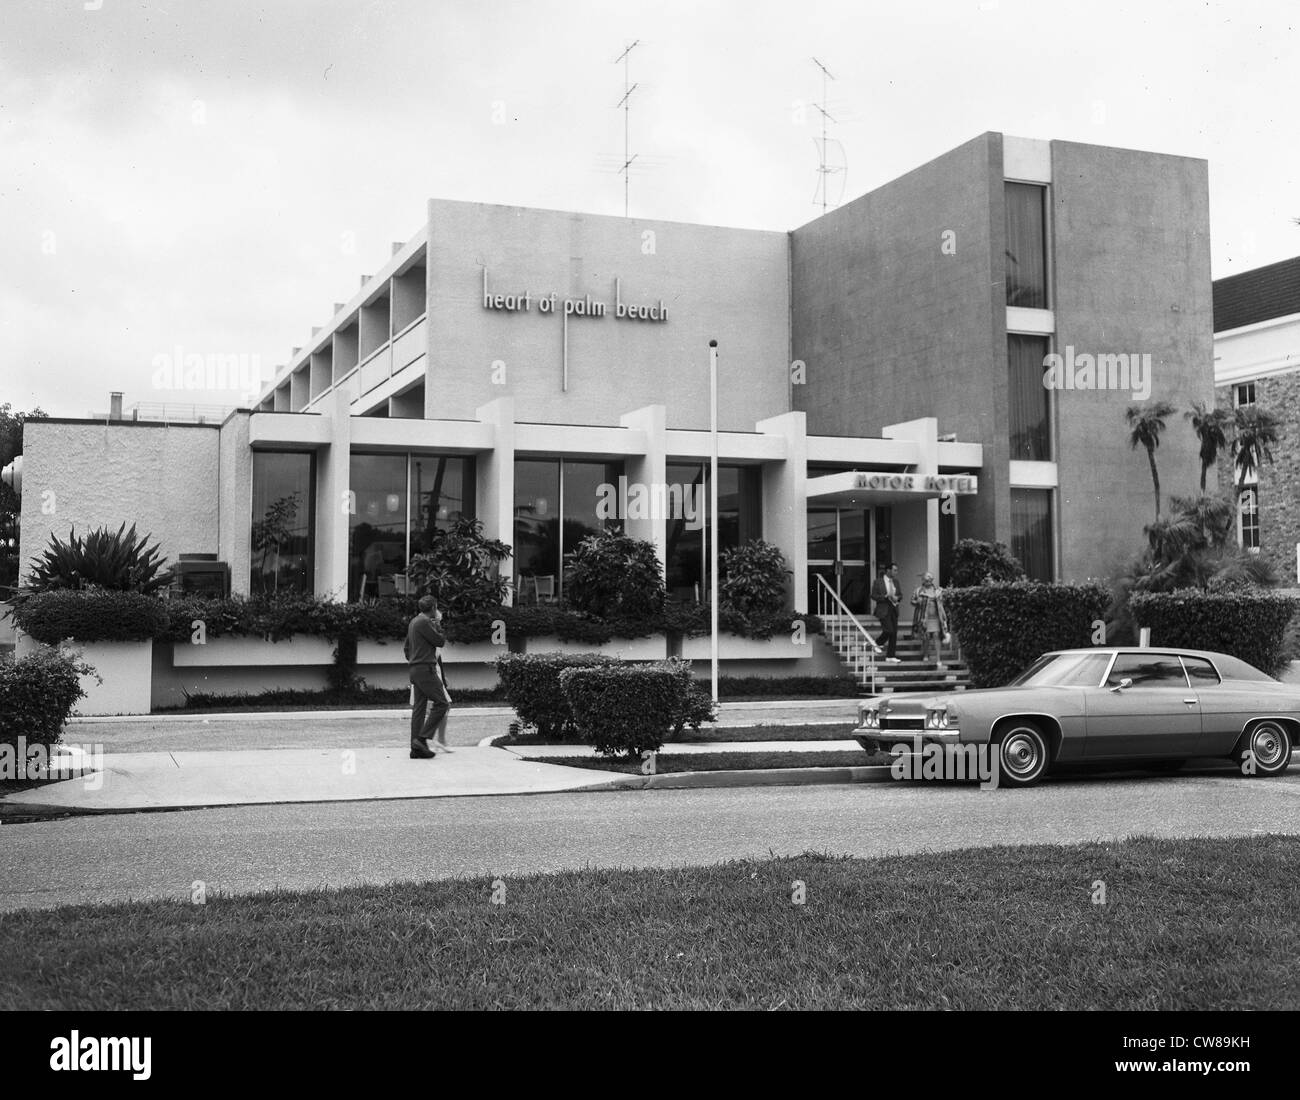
[(880, 388)]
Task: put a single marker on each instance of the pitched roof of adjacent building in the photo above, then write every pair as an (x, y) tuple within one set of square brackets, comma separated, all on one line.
[(1259, 295)]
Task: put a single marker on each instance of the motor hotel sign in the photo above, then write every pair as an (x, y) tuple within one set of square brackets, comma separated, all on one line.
[(956, 484)]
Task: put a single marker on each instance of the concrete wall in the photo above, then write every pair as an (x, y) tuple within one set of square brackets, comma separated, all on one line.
[(726, 284), (1132, 274), (893, 327), (161, 478)]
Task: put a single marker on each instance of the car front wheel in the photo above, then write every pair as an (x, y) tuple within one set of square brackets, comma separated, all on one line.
[(1265, 750), (1022, 753)]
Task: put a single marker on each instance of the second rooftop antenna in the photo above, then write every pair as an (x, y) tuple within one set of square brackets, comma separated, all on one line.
[(626, 103), (825, 170)]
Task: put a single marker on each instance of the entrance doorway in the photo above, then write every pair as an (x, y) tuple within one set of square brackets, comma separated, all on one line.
[(839, 540)]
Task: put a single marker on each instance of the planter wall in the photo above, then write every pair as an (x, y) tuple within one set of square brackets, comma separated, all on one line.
[(126, 669), (653, 648)]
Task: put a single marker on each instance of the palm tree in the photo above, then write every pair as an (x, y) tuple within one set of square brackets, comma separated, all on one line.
[(1257, 432), (1211, 428), (1145, 423)]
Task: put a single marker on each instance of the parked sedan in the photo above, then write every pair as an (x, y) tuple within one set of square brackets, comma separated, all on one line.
[(1103, 705)]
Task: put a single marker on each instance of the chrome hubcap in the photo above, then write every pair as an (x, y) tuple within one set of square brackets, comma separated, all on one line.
[(1020, 753), (1268, 744)]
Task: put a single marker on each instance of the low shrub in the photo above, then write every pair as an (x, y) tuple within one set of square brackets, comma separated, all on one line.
[(531, 684), (789, 687), (625, 710), (1003, 628), (91, 615), (37, 694), (1251, 625)]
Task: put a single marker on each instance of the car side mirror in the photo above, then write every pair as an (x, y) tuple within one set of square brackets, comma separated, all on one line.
[(1124, 683)]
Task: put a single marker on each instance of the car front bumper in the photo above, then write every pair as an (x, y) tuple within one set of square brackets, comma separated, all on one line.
[(875, 740)]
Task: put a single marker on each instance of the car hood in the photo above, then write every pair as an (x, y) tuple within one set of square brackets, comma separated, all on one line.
[(909, 703)]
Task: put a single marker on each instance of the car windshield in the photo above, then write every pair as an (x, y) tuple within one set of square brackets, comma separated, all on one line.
[(1064, 670)]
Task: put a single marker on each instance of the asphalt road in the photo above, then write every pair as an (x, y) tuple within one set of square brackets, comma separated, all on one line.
[(254, 848)]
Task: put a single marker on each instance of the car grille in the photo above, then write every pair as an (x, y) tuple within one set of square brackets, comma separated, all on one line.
[(888, 725)]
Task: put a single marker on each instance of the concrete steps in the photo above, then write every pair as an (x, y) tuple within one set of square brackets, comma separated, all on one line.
[(946, 673)]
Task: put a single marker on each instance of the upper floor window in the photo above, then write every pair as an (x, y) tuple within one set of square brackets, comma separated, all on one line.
[(1244, 394), (1026, 205), (1031, 437)]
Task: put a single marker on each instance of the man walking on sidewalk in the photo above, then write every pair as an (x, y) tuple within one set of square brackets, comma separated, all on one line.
[(431, 703)]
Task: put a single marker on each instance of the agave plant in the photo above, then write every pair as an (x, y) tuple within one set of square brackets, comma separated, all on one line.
[(118, 560)]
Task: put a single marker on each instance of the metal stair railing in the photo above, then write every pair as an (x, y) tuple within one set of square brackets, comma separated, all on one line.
[(845, 632)]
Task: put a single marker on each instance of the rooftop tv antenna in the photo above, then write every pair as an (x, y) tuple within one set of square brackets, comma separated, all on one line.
[(626, 104), (824, 150)]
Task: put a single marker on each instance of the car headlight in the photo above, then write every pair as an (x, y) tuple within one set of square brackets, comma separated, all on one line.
[(936, 719), (871, 718)]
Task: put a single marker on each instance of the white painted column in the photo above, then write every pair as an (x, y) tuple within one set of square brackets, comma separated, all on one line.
[(495, 480), (918, 544), (785, 501), (333, 482), (651, 470)]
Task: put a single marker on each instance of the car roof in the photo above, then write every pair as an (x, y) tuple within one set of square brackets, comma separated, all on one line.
[(1157, 649)]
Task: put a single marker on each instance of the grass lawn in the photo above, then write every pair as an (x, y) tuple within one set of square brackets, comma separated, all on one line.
[(667, 761), (1187, 924)]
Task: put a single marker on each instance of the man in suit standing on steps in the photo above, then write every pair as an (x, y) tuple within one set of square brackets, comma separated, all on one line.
[(884, 591)]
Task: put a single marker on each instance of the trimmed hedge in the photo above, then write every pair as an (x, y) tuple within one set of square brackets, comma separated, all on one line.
[(1003, 628), (91, 615), (625, 710), (37, 695), (531, 682), (1248, 625)]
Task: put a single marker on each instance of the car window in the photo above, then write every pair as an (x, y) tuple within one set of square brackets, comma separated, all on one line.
[(1147, 670), (1064, 670), (1200, 671)]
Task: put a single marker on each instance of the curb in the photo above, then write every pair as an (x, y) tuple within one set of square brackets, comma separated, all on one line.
[(748, 777)]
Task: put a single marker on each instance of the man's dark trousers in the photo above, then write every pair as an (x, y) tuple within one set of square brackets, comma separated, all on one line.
[(431, 703), (887, 613)]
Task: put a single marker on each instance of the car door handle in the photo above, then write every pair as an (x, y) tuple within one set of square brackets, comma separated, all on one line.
[(1190, 702)]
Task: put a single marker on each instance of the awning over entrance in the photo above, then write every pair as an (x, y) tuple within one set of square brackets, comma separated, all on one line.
[(863, 488)]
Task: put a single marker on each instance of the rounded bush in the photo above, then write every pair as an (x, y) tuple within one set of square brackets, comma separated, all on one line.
[(1248, 625), (1004, 628), (531, 683), (37, 694)]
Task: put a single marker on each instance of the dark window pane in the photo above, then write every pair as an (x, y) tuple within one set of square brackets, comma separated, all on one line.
[(585, 486), (1026, 246), (537, 520), (1031, 531), (377, 525), (1147, 671), (442, 491), (282, 553), (1030, 439), (1200, 671)]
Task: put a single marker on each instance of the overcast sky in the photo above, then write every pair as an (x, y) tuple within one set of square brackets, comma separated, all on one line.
[(211, 176)]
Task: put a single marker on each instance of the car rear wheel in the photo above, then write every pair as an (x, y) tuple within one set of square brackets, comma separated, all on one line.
[(1022, 753), (1265, 749)]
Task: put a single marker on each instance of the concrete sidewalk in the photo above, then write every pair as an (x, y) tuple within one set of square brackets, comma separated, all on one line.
[(374, 729), (186, 780)]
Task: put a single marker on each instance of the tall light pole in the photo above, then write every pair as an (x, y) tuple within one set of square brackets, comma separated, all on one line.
[(713, 512)]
